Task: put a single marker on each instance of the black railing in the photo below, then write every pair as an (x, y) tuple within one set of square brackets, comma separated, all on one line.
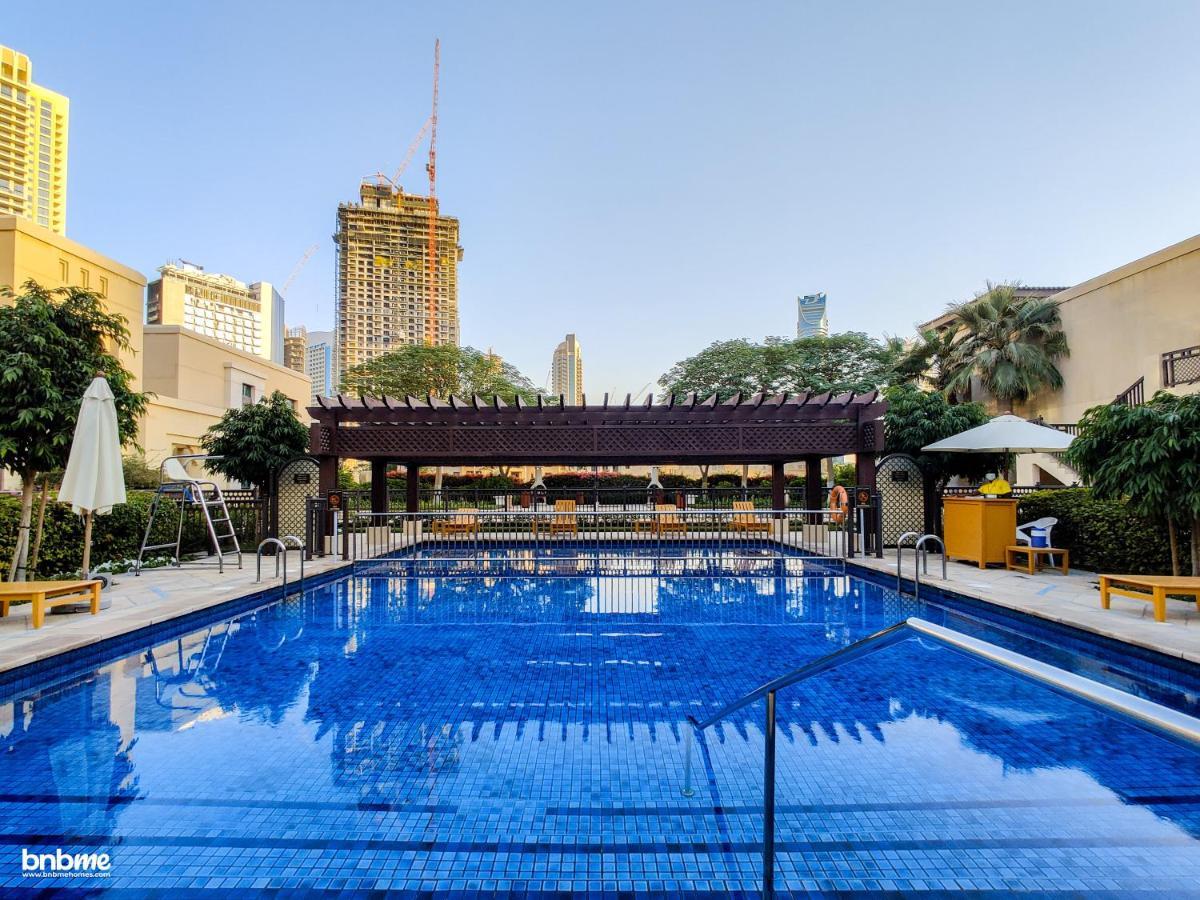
[(1023, 490), (1134, 395), (1181, 366)]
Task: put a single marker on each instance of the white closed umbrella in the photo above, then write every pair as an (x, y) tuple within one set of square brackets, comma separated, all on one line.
[(94, 481), (1005, 434)]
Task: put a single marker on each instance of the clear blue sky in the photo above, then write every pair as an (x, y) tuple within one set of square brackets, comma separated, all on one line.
[(651, 176)]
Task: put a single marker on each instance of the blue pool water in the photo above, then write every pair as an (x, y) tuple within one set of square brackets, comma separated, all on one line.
[(525, 734)]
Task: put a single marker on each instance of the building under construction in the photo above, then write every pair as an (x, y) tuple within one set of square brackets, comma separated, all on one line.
[(388, 293)]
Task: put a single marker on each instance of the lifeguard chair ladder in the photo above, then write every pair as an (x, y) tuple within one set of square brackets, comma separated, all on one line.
[(177, 483)]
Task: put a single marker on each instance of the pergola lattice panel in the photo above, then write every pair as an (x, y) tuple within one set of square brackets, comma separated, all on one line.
[(755, 429)]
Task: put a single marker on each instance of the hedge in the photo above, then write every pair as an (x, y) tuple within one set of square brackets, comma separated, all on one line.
[(115, 537), (1104, 535)]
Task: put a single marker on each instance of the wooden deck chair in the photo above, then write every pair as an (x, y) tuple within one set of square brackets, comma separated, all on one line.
[(744, 518), (564, 519), (668, 519), (462, 521)]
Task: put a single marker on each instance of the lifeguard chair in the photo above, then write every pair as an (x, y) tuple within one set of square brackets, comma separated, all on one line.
[(177, 484)]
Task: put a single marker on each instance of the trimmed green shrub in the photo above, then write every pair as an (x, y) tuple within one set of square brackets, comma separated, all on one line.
[(1102, 535)]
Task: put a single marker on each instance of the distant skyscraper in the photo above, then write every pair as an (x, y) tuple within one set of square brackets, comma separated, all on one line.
[(382, 276), (319, 359), (248, 317), (295, 345), (812, 320), (33, 146), (566, 371)]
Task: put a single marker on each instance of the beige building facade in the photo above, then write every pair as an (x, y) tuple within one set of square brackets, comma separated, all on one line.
[(196, 379), (33, 145), (1135, 329), (31, 251), (247, 317)]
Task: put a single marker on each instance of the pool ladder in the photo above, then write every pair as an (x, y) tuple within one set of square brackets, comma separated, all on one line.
[(920, 559), (283, 547)]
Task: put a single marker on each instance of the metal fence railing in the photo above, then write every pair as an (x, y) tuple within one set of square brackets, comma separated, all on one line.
[(563, 541), (1181, 367)]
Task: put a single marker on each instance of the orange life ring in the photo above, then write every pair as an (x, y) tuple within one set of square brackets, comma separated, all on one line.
[(839, 502)]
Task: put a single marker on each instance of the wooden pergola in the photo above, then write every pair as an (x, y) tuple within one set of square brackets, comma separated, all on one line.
[(756, 429)]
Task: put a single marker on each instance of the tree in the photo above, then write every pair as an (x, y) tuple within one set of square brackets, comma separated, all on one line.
[(1010, 344), (52, 344), (850, 361), (916, 418), (255, 440), (1148, 455), (438, 371)]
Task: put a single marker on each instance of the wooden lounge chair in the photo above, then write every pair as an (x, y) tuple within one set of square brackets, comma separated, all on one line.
[(462, 521), (744, 518), (45, 594), (1151, 588), (564, 519), (668, 519)]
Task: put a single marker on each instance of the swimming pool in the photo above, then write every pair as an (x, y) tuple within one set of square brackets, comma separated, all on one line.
[(509, 733)]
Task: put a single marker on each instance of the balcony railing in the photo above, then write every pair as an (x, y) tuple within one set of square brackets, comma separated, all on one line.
[(1134, 395), (1181, 366)]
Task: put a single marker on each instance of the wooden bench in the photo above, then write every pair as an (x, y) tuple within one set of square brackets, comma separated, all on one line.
[(1150, 588), (1033, 555), (45, 594)]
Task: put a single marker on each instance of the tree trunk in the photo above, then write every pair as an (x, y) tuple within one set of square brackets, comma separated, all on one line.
[(703, 478), (41, 521), (1174, 540), (1195, 547), (745, 476), (16, 569)]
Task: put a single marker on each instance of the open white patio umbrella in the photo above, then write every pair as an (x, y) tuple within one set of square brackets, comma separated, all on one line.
[(1005, 434), (94, 481)]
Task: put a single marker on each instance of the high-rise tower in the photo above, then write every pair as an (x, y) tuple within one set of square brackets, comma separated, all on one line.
[(811, 319), (566, 371), (383, 275), (33, 146)]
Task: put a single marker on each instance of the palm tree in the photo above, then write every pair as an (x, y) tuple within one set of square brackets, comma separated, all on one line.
[(1010, 343)]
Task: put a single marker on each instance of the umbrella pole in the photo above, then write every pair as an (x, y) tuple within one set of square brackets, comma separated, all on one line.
[(87, 543)]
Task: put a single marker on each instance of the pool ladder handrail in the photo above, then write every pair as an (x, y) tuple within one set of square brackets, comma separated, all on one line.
[(920, 559), (283, 546), (1156, 715)]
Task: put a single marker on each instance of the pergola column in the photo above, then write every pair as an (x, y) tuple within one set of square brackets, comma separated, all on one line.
[(412, 496), (379, 491), (864, 470), (327, 474), (813, 489), (778, 488)]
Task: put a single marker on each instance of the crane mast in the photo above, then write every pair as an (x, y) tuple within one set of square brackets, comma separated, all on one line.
[(431, 250)]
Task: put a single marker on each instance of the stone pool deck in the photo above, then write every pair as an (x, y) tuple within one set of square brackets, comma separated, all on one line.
[(161, 594), (1072, 599), (152, 597)]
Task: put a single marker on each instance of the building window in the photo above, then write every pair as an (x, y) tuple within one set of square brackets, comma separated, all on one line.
[(64, 271), (103, 286), (247, 395), (85, 279)]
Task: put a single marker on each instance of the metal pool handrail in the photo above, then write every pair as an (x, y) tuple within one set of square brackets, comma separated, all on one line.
[(1147, 712)]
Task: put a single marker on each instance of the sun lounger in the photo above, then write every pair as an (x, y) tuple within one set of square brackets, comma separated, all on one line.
[(45, 594), (744, 518), (564, 519), (1151, 588), (462, 521), (668, 519)]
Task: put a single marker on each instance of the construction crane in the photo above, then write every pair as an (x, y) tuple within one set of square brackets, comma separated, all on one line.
[(296, 269), (394, 182), (431, 168)]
